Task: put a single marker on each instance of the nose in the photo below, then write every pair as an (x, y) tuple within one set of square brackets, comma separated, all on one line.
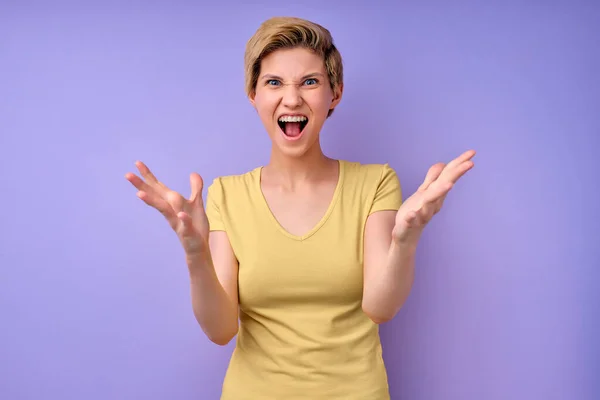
[(291, 96)]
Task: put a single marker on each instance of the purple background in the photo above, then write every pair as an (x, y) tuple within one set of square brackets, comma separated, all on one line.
[(94, 294)]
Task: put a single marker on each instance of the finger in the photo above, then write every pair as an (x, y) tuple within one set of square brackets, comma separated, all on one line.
[(458, 167), (145, 171), (187, 225), (151, 197), (454, 174), (439, 203), (436, 191), (433, 173), (422, 217), (196, 184), (191, 240), (150, 178), (426, 212), (175, 200), (158, 203), (138, 183), (142, 186), (466, 156)]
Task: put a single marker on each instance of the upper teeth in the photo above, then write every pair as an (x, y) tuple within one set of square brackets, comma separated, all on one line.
[(295, 118)]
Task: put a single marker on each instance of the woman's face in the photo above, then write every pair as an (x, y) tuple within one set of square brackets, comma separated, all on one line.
[(293, 97)]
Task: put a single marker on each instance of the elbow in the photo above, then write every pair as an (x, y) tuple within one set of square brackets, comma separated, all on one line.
[(221, 340), (221, 335), (378, 317), (379, 320)]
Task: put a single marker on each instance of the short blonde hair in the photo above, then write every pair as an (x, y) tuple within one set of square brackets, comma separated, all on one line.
[(289, 32)]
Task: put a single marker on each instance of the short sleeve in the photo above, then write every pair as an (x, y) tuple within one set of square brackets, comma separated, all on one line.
[(388, 195), (213, 206)]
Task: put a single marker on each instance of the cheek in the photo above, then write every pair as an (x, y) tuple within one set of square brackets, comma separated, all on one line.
[(263, 104), (320, 97), (320, 104)]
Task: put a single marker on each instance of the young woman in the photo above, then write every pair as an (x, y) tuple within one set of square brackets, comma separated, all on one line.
[(303, 258)]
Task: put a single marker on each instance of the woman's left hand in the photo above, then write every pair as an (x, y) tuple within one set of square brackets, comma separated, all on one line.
[(418, 209)]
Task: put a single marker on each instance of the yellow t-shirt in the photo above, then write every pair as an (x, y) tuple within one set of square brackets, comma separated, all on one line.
[(303, 334)]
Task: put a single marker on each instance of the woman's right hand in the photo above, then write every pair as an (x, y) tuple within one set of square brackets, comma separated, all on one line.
[(186, 216)]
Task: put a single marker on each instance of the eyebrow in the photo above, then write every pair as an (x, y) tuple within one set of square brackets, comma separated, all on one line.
[(270, 76)]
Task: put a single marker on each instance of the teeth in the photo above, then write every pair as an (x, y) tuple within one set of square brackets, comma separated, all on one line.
[(296, 118)]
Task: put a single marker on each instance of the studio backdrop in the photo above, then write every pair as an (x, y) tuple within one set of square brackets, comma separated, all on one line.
[(94, 291)]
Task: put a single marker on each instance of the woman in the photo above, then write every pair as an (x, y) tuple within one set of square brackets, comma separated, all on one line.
[(303, 258)]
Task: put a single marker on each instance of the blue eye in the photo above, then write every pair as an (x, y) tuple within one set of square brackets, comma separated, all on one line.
[(308, 81), (272, 82)]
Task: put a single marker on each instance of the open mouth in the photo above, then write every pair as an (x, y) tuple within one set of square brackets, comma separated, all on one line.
[(292, 126)]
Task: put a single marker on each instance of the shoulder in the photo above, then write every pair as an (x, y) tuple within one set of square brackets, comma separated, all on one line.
[(376, 184), (369, 174), (233, 185), (231, 197)]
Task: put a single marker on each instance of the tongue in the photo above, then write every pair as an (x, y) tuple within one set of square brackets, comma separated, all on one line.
[(292, 129)]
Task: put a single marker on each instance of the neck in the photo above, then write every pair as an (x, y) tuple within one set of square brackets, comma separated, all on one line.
[(290, 171)]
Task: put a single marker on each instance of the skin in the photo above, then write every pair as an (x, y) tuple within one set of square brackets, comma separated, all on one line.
[(299, 180), (294, 81), (298, 184)]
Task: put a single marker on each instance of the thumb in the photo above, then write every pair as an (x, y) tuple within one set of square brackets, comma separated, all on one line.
[(187, 225), (192, 241), (196, 184)]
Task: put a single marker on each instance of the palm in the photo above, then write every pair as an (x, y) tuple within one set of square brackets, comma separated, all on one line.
[(418, 209), (185, 216)]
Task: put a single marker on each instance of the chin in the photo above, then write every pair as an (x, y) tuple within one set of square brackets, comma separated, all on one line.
[(296, 152)]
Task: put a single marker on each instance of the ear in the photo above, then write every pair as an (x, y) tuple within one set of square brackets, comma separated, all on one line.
[(251, 98), (337, 96)]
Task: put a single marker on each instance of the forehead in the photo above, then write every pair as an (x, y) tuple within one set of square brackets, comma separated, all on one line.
[(292, 63)]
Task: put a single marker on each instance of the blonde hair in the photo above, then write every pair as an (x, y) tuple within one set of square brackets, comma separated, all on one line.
[(289, 32)]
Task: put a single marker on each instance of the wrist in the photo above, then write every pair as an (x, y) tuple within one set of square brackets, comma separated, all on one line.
[(197, 263), (406, 238), (405, 243), (402, 254)]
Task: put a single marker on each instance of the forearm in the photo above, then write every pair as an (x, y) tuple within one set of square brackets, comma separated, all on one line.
[(387, 290), (213, 309)]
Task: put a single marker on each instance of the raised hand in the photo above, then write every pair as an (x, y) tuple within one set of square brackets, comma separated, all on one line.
[(418, 209), (185, 216)]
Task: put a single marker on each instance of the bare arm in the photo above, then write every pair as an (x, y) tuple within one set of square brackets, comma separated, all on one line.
[(211, 263), (214, 295), (388, 268), (391, 240)]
